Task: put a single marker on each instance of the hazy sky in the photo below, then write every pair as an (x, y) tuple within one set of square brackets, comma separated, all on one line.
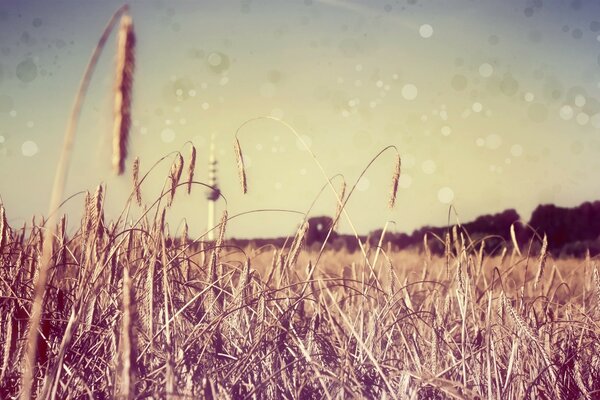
[(492, 104)]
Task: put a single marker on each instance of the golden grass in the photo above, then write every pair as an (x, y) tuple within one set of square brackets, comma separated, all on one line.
[(118, 308), (143, 316)]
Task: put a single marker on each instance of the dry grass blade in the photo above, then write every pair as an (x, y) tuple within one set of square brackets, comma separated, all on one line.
[(395, 180), (340, 205), (95, 213), (221, 237), (214, 294), (513, 237), (126, 384), (240, 163), (297, 244), (86, 224), (426, 249), (597, 287), (184, 233), (447, 251), (191, 169), (123, 92), (174, 176), (3, 227), (136, 181), (7, 322), (58, 187), (541, 262), (522, 325)]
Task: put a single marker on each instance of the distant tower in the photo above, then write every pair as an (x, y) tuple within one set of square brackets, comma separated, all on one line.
[(212, 195)]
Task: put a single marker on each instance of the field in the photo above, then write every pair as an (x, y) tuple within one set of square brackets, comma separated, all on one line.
[(127, 307), (131, 312)]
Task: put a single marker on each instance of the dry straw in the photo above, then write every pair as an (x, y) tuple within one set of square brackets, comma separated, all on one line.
[(29, 357), (340, 206), (513, 237), (426, 248), (7, 350), (174, 177), (2, 227), (126, 386), (395, 180), (136, 181), (240, 163), (87, 221), (597, 287), (297, 244), (96, 213), (123, 91), (522, 325), (541, 261), (191, 169)]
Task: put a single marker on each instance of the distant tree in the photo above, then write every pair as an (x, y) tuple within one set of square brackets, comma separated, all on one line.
[(567, 225), (318, 227), (496, 225)]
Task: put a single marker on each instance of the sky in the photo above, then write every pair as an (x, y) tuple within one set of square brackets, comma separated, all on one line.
[(491, 104)]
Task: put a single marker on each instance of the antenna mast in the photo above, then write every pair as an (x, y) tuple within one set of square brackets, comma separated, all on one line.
[(212, 194)]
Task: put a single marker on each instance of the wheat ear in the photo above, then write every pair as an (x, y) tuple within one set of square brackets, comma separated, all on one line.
[(297, 244), (136, 181), (395, 180), (340, 206), (174, 177), (123, 92), (191, 169), (240, 163)]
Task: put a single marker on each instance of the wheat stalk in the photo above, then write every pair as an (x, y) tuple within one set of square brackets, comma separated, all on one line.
[(297, 244), (3, 227), (541, 262), (8, 342), (86, 224), (513, 237), (240, 163), (191, 168), (522, 325), (524, 328), (579, 379), (340, 206), (213, 296), (447, 254), (123, 92), (29, 358), (597, 287), (136, 181), (395, 180), (174, 176), (184, 233), (426, 249), (126, 384), (97, 213), (260, 316)]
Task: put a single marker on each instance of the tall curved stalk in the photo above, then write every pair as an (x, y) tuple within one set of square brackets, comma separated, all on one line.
[(29, 358)]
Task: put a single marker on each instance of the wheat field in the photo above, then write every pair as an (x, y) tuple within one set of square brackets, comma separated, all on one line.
[(132, 312), (126, 307)]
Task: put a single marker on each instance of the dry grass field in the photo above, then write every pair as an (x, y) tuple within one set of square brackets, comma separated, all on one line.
[(125, 307), (131, 312)]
